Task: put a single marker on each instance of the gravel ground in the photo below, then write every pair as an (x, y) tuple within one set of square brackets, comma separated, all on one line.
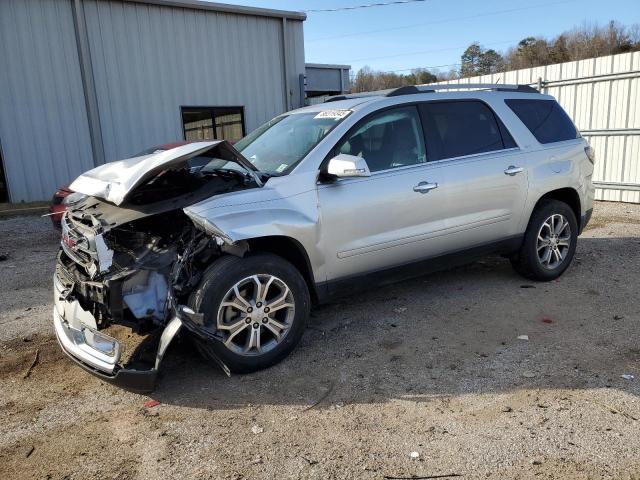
[(432, 366)]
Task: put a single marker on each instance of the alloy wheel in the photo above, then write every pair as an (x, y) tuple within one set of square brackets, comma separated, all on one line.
[(554, 241), (256, 314)]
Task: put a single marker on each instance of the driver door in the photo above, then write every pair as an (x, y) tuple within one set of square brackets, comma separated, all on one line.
[(394, 216)]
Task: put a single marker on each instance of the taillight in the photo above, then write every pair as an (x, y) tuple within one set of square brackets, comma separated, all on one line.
[(591, 153)]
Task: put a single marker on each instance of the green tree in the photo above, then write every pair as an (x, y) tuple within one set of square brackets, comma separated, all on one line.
[(490, 62), (470, 60), (559, 52), (423, 76)]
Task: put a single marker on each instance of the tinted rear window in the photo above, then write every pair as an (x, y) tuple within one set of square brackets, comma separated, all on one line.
[(545, 119), (455, 129)]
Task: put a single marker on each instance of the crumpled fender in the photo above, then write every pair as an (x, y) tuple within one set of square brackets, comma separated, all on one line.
[(264, 212)]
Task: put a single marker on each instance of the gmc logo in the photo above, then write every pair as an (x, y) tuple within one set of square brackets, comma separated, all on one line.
[(68, 241)]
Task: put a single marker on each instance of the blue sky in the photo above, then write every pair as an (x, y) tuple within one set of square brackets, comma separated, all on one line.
[(436, 32)]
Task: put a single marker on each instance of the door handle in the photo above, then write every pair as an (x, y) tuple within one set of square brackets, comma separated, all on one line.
[(424, 187), (513, 170)]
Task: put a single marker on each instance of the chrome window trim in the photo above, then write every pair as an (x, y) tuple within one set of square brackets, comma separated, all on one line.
[(475, 155), (450, 159), (436, 163)]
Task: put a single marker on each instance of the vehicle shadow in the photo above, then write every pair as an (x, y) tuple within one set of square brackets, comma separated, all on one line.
[(448, 333)]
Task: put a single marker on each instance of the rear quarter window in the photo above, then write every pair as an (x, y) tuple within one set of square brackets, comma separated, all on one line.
[(545, 119), (460, 128)]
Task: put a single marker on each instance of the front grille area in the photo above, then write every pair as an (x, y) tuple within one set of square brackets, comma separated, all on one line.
[(93, 296), (76, 243), (63, 275)]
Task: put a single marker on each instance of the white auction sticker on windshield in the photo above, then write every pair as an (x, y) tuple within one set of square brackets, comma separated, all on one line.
[(282, 168), (335, 114)]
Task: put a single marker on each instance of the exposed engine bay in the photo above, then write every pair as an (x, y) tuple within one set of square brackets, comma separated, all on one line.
[(135, 264)]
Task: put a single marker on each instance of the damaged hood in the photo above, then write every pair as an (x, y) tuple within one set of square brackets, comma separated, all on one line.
[(114, 181)]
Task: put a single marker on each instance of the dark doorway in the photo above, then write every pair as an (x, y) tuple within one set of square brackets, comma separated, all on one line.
[(213, 123), (4, 189)]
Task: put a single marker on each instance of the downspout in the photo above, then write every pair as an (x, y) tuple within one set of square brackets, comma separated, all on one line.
[(88, 82)]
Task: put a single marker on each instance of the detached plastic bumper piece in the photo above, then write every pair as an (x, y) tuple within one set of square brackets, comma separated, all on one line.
[(100, 354)]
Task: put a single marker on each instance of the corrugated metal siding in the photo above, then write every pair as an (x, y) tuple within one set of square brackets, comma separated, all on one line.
[(43, 122), (149, 60), (146, 61), (606, 110), (326, 79), (295, 50)]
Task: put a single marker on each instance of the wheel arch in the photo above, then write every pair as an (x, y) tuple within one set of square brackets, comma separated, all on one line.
[(292, 251), (567, 195)]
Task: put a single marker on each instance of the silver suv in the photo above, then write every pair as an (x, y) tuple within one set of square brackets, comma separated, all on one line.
[(233, 244)]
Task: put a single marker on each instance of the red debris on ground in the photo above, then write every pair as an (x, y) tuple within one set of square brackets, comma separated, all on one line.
[(546, 320), (151, 403)]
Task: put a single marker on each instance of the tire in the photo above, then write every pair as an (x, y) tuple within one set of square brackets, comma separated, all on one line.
[(217, 285), (527, 262)]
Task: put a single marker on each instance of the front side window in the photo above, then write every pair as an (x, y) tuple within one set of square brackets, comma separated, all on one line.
[(389, 139), (545, 119), (278, 145), (456, 129)]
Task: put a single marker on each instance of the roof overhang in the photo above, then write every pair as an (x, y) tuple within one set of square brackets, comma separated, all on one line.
[(226, 8), (329, 66)]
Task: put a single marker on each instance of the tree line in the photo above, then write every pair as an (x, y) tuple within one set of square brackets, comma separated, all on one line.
[(586, 41)]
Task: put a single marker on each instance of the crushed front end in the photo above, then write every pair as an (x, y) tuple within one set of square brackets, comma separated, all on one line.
[(104, 282), (124, 273)]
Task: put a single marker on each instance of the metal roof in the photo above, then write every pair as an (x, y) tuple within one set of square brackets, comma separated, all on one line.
[(326, 65), (226, 8)]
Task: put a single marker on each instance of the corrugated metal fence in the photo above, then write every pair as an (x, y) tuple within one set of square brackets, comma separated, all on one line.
[(602, 95)]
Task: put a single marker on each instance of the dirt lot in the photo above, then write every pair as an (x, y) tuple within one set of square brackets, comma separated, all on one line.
[(432, 366)]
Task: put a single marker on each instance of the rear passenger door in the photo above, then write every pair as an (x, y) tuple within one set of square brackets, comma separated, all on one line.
[(485, 177)]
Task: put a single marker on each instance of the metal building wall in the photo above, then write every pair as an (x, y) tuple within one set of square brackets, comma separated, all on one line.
[(295, 61), (143, 60), (602, 96), (325, 78), (150, 60), (43, 123)]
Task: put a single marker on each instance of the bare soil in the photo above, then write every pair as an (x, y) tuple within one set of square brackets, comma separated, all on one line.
[(433, 366)]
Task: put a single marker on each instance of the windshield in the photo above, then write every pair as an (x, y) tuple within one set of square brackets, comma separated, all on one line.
[(278, 145)]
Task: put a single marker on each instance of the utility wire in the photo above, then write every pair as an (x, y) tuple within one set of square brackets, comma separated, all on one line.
[(368, 5), (436, 22)]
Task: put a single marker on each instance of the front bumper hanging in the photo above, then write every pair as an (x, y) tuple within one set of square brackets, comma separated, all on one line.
[(98, 353)]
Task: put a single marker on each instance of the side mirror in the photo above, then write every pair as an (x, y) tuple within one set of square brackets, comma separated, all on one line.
[(348, 166)]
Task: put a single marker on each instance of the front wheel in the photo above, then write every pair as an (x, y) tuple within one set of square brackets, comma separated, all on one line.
[(258, 306), (549, 242)]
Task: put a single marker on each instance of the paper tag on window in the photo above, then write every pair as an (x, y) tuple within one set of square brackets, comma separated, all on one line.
[(335, 114), (282, 168)]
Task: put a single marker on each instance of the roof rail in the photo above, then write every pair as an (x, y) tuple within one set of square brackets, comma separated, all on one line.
[(346, 96), (432, 88), (500, 87)]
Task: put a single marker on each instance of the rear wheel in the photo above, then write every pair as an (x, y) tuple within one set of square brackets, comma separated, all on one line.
[(257, 305), (549, 242)]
